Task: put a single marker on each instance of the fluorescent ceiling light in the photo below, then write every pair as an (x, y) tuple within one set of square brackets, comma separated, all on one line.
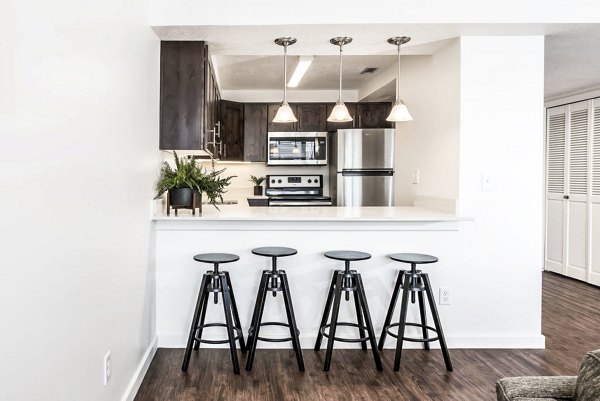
[(303, 64)]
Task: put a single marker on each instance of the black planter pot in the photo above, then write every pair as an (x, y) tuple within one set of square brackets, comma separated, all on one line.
[(181, 197), (258, 190)]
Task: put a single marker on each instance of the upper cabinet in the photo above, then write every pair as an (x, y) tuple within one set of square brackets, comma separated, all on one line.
[(255, 132), (189, 97), (231, 141), (373, 115), (312, 117)]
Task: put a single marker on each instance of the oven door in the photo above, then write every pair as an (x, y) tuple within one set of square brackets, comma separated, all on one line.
[(297, 148)]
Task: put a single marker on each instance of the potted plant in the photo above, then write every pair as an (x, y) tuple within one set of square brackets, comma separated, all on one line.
[(258, 189), (185, 184)]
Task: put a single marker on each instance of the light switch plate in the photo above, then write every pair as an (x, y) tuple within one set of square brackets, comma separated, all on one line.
[(416, 176)]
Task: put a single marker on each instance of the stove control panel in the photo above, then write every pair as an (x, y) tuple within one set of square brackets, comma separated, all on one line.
[(294, 181)]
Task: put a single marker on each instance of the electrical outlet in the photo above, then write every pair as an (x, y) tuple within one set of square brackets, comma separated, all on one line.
[(107, 368), (416, 176), (444, 296)]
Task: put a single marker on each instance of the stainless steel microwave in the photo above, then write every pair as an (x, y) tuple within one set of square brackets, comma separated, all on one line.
[(297, 148)]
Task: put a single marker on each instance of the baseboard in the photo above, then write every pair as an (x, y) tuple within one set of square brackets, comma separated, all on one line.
[(485, 341), (140, 372)]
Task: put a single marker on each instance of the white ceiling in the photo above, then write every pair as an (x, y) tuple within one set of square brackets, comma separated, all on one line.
[(247, 58)]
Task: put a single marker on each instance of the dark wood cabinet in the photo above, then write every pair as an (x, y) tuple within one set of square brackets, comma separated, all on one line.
[(255, 132), (331, 126), (232, 131), (312, 117), (189, 96), (373, 115), (182, 84), (281, 127)]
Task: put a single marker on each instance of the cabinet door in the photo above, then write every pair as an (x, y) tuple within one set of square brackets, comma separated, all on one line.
[(281, 127), (594, 271), (556, 124), (232, 130), (373, 115), (182, 95), (255, 132), (312, 117), (331, 126), (577, 203)]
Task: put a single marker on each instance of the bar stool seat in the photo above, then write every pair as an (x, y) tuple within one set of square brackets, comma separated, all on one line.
[(215, 282), (273, 281), (216, 258), (347, 281), (274, 251), (416, 258), (350, 256), (413, 282)]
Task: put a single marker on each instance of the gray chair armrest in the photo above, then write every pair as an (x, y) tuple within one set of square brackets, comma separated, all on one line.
[(536, 387)]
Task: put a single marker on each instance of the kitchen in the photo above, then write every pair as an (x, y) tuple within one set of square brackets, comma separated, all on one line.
[(395, 182)]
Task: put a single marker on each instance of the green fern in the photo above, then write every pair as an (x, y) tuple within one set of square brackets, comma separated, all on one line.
[(187, 174)]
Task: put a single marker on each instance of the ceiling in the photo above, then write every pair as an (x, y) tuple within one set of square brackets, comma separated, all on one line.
[(266, 72), (247, 58)]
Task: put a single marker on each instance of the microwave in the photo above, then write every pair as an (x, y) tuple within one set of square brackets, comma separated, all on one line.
[(297, 148)]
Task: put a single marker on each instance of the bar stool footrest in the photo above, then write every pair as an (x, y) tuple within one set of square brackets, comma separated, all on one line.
[(276, 340), (238, 334), (417, 340), (346, 340)]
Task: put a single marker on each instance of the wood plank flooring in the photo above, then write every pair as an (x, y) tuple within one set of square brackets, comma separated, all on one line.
[(570, 321)]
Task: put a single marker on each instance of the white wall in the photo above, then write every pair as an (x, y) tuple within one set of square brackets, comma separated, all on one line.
[(430, 86), (502, 136), (78, 159)]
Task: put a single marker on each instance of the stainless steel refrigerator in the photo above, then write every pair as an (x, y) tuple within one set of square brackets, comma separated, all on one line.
[(361, 167)]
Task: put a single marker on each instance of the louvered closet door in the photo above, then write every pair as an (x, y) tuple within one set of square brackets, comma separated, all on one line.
[(577, 190), (594, 271), (556, 142)]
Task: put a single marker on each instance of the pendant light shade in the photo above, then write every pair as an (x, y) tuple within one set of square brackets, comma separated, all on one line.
[(340, 113), (399, 111), (285, 113)]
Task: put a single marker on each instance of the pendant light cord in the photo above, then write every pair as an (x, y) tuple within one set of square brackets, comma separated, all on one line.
[(398, 77), (285, 73), (340, 95)]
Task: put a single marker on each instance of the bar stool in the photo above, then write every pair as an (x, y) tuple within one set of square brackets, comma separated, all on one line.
[(346, 281), (216, 282), (414, 281), (273, 281)]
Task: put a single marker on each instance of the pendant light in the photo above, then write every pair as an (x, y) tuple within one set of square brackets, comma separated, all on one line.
[(399, 111), (340, 113), (285, 113)]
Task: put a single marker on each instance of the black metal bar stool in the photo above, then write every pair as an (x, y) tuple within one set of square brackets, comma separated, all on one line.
[(414, 281), (347, 281), (216, 282), (273, 281)]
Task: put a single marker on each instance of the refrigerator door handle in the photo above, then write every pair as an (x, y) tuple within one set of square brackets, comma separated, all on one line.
[(367, 172)]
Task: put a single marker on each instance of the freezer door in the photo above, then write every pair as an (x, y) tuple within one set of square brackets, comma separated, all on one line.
[(365, 149), (360, 189)]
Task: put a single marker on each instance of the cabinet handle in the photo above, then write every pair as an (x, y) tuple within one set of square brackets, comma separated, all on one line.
[(225, 150), (359, 121), (354, 122)]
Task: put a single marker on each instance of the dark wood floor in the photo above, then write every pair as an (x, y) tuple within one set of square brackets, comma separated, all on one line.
[(570, 321)]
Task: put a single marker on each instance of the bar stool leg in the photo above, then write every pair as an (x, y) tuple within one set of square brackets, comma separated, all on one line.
[(363, 301), (423, 313), (289, 309), (359, 316), (334, 318), (199, 305), (256, 319), (402, 322), (436, 321), (202, 315), (236, 316), (390, 312), (227, 307), (326, 311)]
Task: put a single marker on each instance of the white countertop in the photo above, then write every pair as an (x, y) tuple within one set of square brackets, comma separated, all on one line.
[(367, 214)]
